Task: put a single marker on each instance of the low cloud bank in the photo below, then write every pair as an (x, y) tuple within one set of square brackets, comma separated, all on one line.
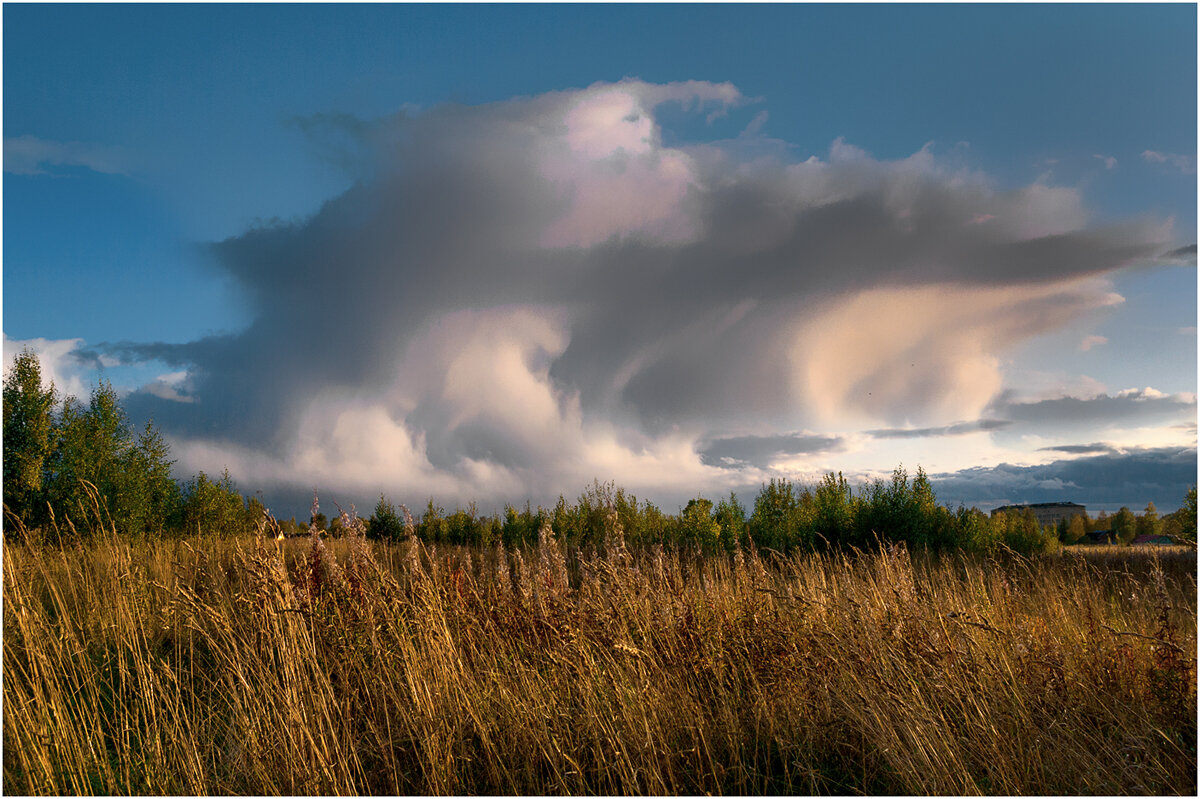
[(1107, 481)]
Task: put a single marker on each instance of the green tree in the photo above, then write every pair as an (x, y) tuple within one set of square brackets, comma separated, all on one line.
[(975, 529), (1076, 528), (213, 506), (132, 474), (1187, 516), (385, 523), (1020, 532), (255, 512), (151, 500), (904, 511), (697, 525), (28, 437), (833, 511), (1149, 522), (776, 520), (1124, 524), (731, 516), (433, 525)]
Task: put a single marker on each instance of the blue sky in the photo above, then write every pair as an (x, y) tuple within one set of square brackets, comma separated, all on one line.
[(276, 228)]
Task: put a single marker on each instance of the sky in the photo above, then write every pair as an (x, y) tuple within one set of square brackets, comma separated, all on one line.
[(492, 253)]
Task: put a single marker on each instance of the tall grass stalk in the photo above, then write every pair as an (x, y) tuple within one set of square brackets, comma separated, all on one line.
[(344, 667)]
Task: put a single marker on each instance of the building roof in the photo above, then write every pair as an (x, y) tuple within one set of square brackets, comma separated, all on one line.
[(1042, 505), (1152, 539)]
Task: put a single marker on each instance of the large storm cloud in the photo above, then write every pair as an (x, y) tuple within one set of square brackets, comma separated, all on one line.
[(514, 298)]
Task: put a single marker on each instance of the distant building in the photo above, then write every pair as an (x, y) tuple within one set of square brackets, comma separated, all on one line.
[(1153, 540), (1099, 537), (1046, 513)]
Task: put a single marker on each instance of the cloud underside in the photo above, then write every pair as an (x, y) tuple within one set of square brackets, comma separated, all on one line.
[(1076, 415), (539, 291)]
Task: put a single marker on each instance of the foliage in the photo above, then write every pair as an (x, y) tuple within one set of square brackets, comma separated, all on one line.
[(1020, 532), (28, 436), (214, 506), (776, 521), (697, 525), (1187, 518), (385, 523), (731, 517), (1149, 522), (1124, 524), (1076, 529)]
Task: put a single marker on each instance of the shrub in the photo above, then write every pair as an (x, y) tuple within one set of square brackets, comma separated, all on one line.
[(385, 523)]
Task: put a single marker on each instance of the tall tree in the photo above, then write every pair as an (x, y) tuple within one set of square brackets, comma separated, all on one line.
[(152, 497), (696, 524), (1076, 528), (1124, 524), (96, 444), (1149, 523), (386, 524), (28, 436), (213, 506), (732, 517), (49, 455), (1188, 515)]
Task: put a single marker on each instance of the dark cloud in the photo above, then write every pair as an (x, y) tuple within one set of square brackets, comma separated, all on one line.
[(1183, 255), (1107, 481), (740, 452), (1079, 449), (1133, 408), (959, 429), (658, 290)]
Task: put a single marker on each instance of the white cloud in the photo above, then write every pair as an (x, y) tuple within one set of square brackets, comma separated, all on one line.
[(168, 386), (609, 166), (1109, 161), (886, 354), (29, 155), (755, 125), (1091, 341), (67, 373), (1186, 164), (471, 412)]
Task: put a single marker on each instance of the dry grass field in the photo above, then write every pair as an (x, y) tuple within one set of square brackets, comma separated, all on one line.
[(252, 666)]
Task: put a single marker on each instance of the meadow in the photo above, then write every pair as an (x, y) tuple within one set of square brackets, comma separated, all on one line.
[(249, 665)]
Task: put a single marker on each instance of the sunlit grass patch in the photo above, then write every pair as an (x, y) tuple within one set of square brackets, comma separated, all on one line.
[(282, 667)]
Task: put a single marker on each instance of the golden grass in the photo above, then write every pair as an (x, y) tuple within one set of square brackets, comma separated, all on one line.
[(254, 666)]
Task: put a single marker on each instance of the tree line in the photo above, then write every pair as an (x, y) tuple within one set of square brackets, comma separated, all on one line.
[(784, 516), (65, 461)]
